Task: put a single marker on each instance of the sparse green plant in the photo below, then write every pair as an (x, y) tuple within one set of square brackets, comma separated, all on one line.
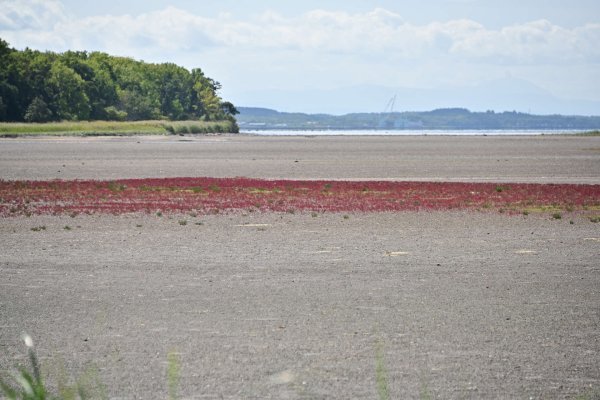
[(193, 214), (557, 215), (182, 222), (200, 223), (159, 213), (214, 188), (116, 187), (27, 385), (346, 216), (138, 225), (381, 375), (525, 212), (425, 394), (589, 395), (39, 228), (314, 214), (67, 228), (595, 219), (571, 222), (173, 373), (86, 386)]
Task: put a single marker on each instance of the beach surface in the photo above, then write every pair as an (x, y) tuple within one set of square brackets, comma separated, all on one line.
[(252, 305), (542, 159)]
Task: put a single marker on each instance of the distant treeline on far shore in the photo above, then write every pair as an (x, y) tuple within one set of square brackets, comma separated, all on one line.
[(447, 118), (76, 85)]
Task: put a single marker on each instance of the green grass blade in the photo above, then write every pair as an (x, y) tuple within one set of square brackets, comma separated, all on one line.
[(381, 374)]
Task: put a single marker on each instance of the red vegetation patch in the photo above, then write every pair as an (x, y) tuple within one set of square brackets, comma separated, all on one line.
[(210, 195)]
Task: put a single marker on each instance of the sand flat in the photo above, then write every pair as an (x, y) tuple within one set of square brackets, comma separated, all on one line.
[(543, 159), (277, 305)]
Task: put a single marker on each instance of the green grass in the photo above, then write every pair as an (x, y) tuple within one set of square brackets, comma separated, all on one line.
[(589, 395), (173, 374), (114, 128), (589, 133), (28, 384), (183, 127), (381, 374)]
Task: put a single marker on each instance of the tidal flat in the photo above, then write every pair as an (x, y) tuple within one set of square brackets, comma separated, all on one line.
[(255, 305)]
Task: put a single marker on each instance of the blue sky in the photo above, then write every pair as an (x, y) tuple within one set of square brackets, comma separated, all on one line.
[(258, 48)]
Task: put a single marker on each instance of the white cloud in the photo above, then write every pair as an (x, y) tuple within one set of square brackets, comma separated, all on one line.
[(533, 42), (380, 33), (321, 48), (30, 14)]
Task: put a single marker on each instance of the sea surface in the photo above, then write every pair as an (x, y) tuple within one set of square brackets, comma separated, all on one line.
[(407, 132)]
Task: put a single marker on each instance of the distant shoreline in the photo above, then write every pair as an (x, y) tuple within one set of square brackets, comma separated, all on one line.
[(414, 132), (252, 118)]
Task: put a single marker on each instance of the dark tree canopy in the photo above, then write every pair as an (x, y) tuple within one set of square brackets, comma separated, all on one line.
[(76, 85)]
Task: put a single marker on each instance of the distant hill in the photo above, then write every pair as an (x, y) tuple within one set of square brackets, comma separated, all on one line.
[(506, 94), (444, 118)]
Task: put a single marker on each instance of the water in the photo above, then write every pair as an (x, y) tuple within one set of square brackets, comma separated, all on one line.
[(437, 132)]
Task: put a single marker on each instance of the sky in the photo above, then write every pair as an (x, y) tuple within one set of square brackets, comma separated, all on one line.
[(264, 52)]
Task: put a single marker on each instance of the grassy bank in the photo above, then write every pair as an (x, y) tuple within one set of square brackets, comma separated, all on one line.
[(109, 128), (589, 133)]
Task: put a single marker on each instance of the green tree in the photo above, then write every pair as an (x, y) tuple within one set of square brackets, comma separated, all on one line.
[(2, 110), (38, 111), (9, 79), (207, 101), (228, 109), (175, 90), (78, 85), (69, 95)]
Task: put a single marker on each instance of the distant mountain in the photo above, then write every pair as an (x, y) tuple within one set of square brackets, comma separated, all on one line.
[(444, 118), (508, 94)]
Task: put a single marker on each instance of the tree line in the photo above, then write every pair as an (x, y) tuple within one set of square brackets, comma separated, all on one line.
[(46, 86)]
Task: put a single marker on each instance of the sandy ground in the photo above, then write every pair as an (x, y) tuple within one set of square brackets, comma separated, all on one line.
[(438, 158), (258, 306)]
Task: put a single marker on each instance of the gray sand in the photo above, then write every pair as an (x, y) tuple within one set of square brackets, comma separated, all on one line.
[(557, 159), (258, 306)]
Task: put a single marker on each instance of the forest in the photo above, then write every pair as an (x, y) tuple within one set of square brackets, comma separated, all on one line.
[(46, 86)]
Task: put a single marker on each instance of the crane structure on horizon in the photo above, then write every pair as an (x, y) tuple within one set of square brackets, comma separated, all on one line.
[(387, 119)]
